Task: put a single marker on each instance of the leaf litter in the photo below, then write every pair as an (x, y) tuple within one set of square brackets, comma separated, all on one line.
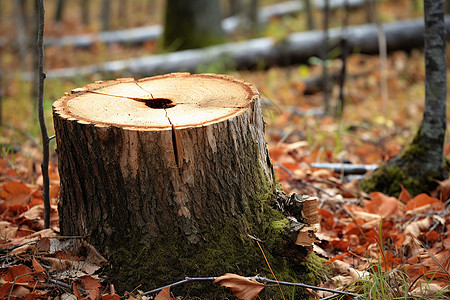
[(361, 235)]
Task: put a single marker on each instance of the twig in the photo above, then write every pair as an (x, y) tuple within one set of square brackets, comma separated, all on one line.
[(45, 139), (345, 167), (330, 297), (60, 283), (325, 49), (266, 280), (259, 278), (186, 279), (14, 282), (301, 181)]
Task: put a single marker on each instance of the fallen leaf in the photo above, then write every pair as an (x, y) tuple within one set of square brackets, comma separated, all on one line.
[(92, 287), (383, 205), (15, 193), (444, 189), (242, 288), (19, 292), (422, 200), (404, 195), (7, 230), (37, 266), (164, 294), (4, 290), (415, 228), (19, 274)]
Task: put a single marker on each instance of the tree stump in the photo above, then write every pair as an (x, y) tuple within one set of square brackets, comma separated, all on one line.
[(169, 176)]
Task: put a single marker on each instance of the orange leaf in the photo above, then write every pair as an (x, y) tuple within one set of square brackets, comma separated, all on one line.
[(90, 285), (382, 205), (164, 294), (111, 297), (4, 290), (424, 199), (404, 196), (15, 193), (327, 219), (340, 257), (341, 245), (444, 188), (241, 287), (20, 273), (37, 266)]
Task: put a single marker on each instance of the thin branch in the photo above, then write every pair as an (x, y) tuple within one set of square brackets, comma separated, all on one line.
[(45, 138), (259, 278)]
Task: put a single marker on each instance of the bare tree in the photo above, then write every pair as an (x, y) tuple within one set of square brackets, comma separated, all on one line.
[(422, 162), (21, 33), (234, 7), (45, 138), (309, 14), (192, 24), (85, 12), (60, 10), (106, 11)]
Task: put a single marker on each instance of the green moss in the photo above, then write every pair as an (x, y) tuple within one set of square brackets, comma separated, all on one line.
[(407, 169), (228, 247)]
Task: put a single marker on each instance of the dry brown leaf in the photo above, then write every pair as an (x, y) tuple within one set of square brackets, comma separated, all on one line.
[(425, 289), (164, 294), (37, 266), (444, 188), (15, 193), (383, 205), (242, 288), (7, 231), (36, 212), (423, 200), (404, 195), (415, 228)]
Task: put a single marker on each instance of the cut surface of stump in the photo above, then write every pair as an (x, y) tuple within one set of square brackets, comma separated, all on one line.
[(169, 176)]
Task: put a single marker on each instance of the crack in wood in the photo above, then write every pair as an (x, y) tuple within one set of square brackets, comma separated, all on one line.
[(174, 141)]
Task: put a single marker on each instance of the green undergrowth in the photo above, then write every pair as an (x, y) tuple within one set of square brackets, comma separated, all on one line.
[(378, 284)]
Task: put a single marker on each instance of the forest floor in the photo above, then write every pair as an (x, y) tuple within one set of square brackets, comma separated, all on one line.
[(399, 244), (385, 248)]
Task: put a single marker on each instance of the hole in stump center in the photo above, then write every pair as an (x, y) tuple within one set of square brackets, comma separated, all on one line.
[(159, 103)]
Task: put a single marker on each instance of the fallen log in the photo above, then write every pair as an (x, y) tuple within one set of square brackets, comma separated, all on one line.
[(297, 48), (153, 32), (170, 176)]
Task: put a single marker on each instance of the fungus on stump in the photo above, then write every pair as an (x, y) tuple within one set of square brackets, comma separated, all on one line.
[(168, 176)]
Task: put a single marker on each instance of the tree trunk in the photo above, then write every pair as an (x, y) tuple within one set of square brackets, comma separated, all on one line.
[(106, 12), (22, 40), (419, 165), (309, 15), (85, 12), (234, 7), (168, 176), (192, 24), (59, 10)]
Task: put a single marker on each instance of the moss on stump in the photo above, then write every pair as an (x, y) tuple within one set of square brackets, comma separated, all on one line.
[(409, 168)]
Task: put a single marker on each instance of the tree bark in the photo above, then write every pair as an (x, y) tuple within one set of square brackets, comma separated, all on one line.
[(85, 12), (173, 170), (106, 14), (192, 24), (59, 10), (434, 115)]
